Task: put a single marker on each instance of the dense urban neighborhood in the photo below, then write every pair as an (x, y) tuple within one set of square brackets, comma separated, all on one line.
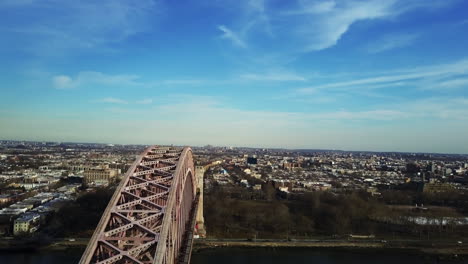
[(50, 189)]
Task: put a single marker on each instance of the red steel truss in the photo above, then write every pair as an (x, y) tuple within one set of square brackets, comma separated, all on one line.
[(149, 216)]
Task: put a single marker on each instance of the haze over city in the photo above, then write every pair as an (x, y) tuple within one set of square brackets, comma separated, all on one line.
[(386, 75)]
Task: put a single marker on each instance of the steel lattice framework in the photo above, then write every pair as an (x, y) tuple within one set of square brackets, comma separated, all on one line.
[(148, 219)]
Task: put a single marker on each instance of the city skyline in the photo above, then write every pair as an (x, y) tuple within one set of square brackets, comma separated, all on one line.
[(382, 75)]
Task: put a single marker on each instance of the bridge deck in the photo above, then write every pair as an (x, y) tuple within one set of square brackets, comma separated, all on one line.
[(186, 250)]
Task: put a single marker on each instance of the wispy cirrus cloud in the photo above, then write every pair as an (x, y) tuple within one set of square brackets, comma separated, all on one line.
[(112, 100), (392, 41), (232, 36), (330, 20), (60, 26), (445, 108), (63, 82), (145, 101), (183, 82), (84, 78), (316, 25), (93, 77), (115, 100), (455, 83), (253, 16), (424, 77), (279, 76)]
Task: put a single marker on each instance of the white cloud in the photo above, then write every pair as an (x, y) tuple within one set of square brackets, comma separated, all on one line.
[(145, 101), (60, 26), (84, 78), (63, 82), (311, 25), (392, 41), (375, 114), (456, 83), (418, 76), (229, 34), (317, 7), (255, 6), (92, 77), (184, 82), (101, 78), (449, 108), (323, 27), (443, 108), (273, 77), (112, 100)]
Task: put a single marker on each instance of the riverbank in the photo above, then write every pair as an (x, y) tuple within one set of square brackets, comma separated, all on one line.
[(15, 244), (428, 247), (421, 246), (336, 255), (259, 255)]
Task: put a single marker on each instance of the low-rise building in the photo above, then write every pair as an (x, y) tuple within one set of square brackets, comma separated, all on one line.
[(5, 198), (27, 223), (435, 187), (100, 176)]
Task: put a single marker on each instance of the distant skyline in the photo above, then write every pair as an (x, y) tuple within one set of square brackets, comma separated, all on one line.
[(369, 75), (239, 147)]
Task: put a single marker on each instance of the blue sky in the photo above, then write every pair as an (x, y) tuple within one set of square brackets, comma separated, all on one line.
[(384, 75)]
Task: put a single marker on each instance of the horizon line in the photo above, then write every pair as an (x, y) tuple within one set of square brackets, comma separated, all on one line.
[(227, 146)]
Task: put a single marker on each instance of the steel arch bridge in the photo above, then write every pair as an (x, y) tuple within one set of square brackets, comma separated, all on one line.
[(151, 216)]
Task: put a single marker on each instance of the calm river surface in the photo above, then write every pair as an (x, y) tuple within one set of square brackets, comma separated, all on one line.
[(255, 256)]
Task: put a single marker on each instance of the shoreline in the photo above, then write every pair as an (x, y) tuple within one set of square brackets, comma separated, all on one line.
[(421, 247), (434, 248)]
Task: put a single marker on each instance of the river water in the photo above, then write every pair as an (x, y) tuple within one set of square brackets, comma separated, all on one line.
[(316, 256), (258, 256)]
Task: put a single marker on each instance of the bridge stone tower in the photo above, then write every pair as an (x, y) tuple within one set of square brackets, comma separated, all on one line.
[(199, 174)]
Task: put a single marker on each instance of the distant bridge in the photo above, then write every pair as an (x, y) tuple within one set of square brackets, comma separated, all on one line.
[(151, 216)]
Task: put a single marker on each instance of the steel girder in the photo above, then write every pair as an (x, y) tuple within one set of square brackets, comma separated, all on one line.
[(148, 217)]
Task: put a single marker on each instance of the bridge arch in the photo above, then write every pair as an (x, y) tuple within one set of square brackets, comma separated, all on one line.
[(148, 219)]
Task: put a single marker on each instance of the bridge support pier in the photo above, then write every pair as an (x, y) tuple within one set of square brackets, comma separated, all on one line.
[(199, 174)]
